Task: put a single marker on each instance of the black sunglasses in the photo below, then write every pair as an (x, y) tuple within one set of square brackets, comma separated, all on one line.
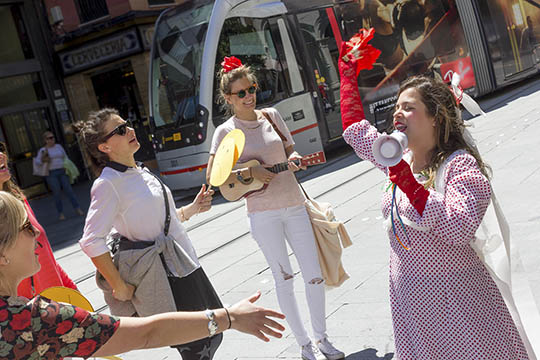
[(27, 226), (242, 93), (120, 130)]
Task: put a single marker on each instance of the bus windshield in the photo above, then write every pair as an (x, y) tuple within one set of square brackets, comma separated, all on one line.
[(176, 63)]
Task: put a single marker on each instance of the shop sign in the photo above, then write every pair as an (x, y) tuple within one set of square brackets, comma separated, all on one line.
[(99, 52)]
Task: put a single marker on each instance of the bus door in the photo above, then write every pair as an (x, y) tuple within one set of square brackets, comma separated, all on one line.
[(513, 35), (321, 40), (265, 44)]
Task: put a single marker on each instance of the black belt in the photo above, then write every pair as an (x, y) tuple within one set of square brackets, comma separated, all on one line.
[(123, 243)]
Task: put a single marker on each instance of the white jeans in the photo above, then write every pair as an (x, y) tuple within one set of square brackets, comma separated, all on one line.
[(269, 229)]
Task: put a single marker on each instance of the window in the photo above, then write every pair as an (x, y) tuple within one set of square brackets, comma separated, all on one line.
[(14, 42), (252, 41), (160, 2), (91, 9), (22, 89)]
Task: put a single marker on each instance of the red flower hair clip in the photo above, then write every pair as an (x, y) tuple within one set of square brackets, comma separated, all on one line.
[(230, 63), (357, 49)]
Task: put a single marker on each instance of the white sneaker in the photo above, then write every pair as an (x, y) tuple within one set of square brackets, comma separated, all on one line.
[(311, 352), (329, 350)]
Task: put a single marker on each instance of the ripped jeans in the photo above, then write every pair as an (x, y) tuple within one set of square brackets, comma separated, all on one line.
[(270, 229)]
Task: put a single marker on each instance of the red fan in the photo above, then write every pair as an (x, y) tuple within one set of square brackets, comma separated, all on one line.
[(357, 49)]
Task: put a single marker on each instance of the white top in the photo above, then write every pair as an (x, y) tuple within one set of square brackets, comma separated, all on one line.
[(130, 200), (56, 154)]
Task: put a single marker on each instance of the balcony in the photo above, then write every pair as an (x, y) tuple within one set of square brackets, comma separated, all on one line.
[(90, 10)]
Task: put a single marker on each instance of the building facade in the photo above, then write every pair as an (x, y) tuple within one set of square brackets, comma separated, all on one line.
[(102, 51), (32, 96)]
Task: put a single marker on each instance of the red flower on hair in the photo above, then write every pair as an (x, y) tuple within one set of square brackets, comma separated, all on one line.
[(230, 63), (357, 49)]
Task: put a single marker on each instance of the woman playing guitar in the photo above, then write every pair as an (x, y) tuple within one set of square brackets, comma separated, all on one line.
[(278, 212)]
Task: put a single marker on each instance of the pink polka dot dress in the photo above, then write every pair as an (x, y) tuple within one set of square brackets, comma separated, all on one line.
[(444, 303)]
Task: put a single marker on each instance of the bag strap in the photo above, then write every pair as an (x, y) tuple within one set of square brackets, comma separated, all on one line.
[(303, 190), (281, 136), (167, 209), (283, 139)]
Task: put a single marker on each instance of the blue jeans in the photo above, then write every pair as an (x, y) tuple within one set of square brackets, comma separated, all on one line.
[(55, 179)]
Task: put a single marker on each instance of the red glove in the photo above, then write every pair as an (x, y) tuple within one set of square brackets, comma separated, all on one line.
[(402, 176)]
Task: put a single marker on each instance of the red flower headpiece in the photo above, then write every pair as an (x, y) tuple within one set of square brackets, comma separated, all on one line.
[(230, 63), (357, 48)]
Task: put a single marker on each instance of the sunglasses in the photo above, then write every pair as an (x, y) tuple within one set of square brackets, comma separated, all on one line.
[(242, 93), (120, 130), (49, 138), (27, 226)]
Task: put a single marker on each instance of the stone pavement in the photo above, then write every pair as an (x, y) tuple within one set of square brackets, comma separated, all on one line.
[(358, 312)]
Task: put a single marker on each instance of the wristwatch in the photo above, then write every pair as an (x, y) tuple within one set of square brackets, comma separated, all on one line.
[(212, 324)]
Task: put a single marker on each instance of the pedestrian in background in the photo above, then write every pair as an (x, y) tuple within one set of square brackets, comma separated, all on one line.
[(278, 213), (152, 240), (39, 328), (54, 154), (445, 304), (51, 273)]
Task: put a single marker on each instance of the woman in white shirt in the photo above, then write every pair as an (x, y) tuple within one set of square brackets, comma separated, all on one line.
[(129, 199), (54, 154)]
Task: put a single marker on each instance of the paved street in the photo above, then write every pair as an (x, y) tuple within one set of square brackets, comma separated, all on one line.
[(359, 320)]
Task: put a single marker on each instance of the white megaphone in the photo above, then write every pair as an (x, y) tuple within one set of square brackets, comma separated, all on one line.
[(388, 149)]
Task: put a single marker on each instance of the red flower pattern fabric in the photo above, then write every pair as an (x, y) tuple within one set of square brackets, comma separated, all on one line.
[(44, 329), (444, 303)]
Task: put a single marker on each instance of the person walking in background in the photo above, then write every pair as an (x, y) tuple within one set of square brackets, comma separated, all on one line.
[(445, 304), (152, 240), (277, 213), (51, 273), (54, 154), (40, 328), (528, 38)]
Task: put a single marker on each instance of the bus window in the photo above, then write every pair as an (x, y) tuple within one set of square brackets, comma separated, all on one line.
[(176, 66), (252, 41), (323, 52)]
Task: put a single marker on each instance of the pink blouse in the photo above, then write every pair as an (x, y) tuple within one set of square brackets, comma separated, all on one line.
[(265, 145)]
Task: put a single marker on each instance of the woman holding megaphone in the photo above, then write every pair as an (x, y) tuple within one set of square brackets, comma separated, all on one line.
[(445, 304)]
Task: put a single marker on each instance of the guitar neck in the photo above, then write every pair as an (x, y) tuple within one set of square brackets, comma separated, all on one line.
[(284, 166)]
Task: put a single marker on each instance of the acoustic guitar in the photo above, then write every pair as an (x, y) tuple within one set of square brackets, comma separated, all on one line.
[(237, 187)]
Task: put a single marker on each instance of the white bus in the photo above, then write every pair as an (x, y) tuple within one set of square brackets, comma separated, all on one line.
[(294, 46)]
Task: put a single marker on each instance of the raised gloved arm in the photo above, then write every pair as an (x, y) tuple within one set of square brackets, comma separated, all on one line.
[(356, 55)]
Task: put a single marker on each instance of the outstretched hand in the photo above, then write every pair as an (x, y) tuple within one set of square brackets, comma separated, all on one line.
[(203, 200), (255, 320)]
